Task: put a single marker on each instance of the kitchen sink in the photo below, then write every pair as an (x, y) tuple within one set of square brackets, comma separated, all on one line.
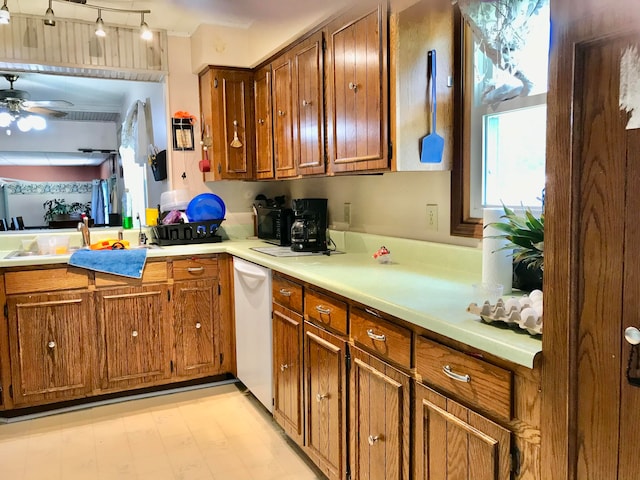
[(32, 254)]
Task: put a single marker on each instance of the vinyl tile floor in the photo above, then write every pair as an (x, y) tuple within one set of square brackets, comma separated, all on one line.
[(213, 433)]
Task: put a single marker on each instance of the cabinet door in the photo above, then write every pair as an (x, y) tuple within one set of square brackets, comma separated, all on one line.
[(133, 328), (196, 316), (283, 119), (325, 394), (308, 93), (452, 441), (231, 122), (287, 372), (379, 420), (51, 346), (264, 135), (358, 92)]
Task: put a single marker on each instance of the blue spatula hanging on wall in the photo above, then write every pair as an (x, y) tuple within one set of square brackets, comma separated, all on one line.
[(432, 145)]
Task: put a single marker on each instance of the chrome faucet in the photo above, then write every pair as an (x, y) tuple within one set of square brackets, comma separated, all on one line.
[(86, 235)]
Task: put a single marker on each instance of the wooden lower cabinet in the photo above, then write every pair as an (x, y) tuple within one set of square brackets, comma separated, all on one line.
[(325, 401), (287, 372), (133, 336), (452, 441), (379, 424), (196, 328), (51, 346)]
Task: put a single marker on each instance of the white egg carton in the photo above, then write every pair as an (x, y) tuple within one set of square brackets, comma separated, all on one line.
[(511, 311)]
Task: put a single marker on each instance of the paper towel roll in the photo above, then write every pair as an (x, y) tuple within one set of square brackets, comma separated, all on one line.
[(497, 265)]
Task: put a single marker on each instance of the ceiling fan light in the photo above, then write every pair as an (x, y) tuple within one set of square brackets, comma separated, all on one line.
[(5, 119), (100, 26), (5, 16), (37, 122), (24, 124)]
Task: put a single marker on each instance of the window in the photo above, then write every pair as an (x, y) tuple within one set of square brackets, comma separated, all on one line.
[(504, 127)]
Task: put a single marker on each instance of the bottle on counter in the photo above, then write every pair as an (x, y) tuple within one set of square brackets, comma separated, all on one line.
[(127, 210)]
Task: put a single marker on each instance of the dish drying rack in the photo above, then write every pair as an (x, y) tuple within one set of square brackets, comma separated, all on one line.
[(498, 313)]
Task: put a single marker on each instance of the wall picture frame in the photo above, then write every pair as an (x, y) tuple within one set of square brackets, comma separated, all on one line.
[(182, 134)]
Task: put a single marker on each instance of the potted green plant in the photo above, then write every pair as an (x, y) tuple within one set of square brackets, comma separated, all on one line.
[(57, 209), (525, 234)]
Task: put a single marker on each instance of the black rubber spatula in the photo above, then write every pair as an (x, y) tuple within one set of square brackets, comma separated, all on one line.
[(432, 145)]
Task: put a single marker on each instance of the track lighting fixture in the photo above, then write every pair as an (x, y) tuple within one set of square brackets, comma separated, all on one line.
[(145, 33), (49, 17), (100, 25), (5, 16)]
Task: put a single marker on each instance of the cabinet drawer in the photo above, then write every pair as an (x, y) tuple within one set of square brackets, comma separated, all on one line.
[(480, 384), (325, 311), (287, 293), (48, 280), (194, 268), (387, 340), (153, 272)]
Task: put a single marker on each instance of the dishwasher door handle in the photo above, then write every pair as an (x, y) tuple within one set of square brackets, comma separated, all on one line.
[(248, 271)]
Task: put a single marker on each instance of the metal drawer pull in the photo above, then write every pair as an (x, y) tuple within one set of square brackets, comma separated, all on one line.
[(372, 312), (455, 376), (320, 397), (283, 367), (375, 336), (321, 309), (51, 344), (134, 333), (372, 440), (198, 325), (285, 293), (195, 269)]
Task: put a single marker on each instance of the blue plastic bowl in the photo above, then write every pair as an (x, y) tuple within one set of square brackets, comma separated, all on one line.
[(204, 207)]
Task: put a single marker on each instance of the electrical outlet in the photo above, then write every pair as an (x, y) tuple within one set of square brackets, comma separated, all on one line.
[(347, 214), (432, 217)]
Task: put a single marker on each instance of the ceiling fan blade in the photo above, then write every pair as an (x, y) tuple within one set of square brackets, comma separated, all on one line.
[(45, 111), (47, 103)]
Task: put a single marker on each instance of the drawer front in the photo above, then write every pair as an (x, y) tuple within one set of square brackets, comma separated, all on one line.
[(287, 293), (325, 311), (385, 339), (48, 280), (154, 272), (195, 268), (480, 384)]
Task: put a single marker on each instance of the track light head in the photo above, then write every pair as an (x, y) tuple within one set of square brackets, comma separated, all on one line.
[(145, 32), (49, 17), (5, 16), (100, 25)]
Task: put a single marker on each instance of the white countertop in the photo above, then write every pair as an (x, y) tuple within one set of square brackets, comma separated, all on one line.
[(427, 284)]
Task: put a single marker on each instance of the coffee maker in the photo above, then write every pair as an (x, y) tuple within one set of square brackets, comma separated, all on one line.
[(309, 229)]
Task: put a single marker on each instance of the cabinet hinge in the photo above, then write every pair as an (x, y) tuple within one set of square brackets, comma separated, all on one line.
[(219, 290), (347, 359), (11, 391), (168, 295), (215, 82), (324, 44), (221, 358), (515, 460), (6, 311), (390, 150), (171, 365)]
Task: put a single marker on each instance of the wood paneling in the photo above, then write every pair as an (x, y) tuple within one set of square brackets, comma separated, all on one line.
[(283, 118), (263, 124), (45, 280)]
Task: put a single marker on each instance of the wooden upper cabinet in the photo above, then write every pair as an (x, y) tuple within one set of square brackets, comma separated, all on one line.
[(263, 124), (283, 118), (308, 95), (357, 91), (226, 103)]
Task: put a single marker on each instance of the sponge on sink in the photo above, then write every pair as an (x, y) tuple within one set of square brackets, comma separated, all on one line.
[(110, 245)]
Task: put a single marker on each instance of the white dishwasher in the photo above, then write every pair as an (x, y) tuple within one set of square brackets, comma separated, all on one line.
[(254, 338)]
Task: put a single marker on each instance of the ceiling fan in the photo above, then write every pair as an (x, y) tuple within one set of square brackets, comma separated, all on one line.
[(17, 101)]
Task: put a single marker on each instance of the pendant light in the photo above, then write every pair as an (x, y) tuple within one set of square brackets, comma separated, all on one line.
[(5, 16), (145, 33), (100, 25), (49, 17)]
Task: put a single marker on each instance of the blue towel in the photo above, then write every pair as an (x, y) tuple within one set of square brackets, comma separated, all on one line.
[(128, 263)]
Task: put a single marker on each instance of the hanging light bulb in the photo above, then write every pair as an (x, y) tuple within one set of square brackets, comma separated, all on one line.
[(100, 25), (5, 16), (24, 124), (145, 32), (49, 16), (37, 122)]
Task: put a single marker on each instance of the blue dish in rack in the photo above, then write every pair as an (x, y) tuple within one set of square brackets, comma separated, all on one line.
[(205, 207)]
